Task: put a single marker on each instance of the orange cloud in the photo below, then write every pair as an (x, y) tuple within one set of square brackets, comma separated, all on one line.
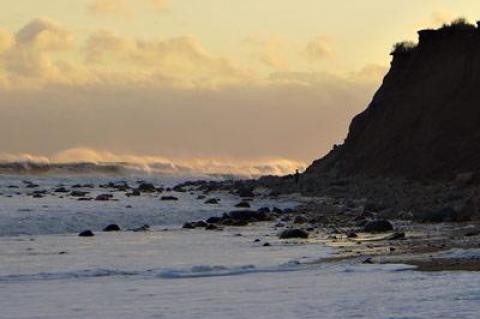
[(319, 49), (268, 50)]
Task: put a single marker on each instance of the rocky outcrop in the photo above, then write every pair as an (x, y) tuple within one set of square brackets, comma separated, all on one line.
[(423, 121)]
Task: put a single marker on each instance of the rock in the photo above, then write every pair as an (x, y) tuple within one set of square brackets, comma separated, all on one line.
[(257, 240), (147, 188), (464, 179), (61, 190), (143, 228), (267, 245), (86, 233), (446, 214), (211, 227), (279, 225), (352, 235), (300, 219), (264, 210), (135, 192), (112, 228), (378, 226), (248, 215), (201, 197), (78, 194), (214, 220), (169, 198), (240, 223), (368, 261), (212, 201), (277, 210), (243, 205), (245, 193), (104, 197), (397, 236), (293, 233), (201, 224), (189, 226)]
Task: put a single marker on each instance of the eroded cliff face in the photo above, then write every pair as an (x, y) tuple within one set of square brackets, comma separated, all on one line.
[(424, 121)]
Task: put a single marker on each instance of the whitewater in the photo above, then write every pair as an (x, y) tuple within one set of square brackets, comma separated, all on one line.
[(47, 271)]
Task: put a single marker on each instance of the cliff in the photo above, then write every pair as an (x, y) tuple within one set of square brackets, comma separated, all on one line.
[(424, 121)]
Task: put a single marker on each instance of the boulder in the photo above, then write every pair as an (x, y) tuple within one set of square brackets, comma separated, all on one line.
[(245, 193), (104, 197), (243, 205), (293, 233), (147, 188), (212, 201), (86, 233), (300, 219), (189, 226), (169, 198), (378, 226), (112, 228), (214, 220), (78, 194), (248, 215)]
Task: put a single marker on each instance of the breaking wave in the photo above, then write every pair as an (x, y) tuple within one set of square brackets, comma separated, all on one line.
[(85, 161)]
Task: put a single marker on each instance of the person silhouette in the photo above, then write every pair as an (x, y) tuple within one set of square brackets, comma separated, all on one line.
[(297, 176)]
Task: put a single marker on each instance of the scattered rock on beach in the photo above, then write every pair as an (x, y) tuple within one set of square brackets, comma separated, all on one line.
[(112, 228), (214, 220), (104, 197), (169, 198), (293, 233), (243, 205), (86, 233), (248, 215), (212, 201), (378, 226), (147, 188)]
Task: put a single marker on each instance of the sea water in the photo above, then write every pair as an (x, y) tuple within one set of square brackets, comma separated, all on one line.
[(47, 271)]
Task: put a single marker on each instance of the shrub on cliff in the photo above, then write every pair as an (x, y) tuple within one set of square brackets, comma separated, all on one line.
[(458, 24), (403, 47)]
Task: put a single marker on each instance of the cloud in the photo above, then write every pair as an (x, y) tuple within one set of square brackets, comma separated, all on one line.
[(177, 57), (441, 16), (109, 7), (44, 34), (7, 40), (125, 8), (319, 49), (268, 50)]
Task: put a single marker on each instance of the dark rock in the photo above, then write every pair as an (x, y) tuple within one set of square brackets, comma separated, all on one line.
[(245, 193), (211, 227), (277, 210), (211, 201), (267, 245), (143, 228), (112, 228), (257, 240), (264, 210), (293, 233), (169, 198), (368, 261), (352, 235), (78, 194), (378, 226), (61, 190), (300, 219), (104, 197), (189, 226), (243, 205), (86, 233), (135, 192), (397, 236), (248, 215), (279, 225), (147, 188), (201, 197), (447, 214), (214, 220), (201, 224)]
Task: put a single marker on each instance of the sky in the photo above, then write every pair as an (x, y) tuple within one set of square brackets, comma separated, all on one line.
[(211, 81)]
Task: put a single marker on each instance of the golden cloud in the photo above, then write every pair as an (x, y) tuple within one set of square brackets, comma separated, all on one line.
[(319, 49)]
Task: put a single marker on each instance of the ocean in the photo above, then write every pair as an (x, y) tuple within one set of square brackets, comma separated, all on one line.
[(47, 271)]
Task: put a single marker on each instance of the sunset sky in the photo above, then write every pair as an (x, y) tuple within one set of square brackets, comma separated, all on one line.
[(247, 81)]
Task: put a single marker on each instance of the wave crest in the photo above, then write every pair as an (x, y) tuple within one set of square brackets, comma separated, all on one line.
[(87, 160)]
